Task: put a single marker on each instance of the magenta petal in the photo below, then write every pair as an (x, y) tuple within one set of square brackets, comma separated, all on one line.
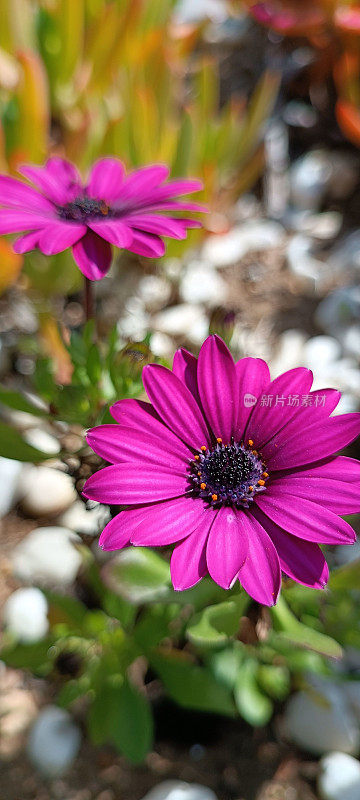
[(300, 560), (163, 226), (188, 561), (227, 547), (27, 242), (16, 194), (338, 496), (125, 484), (116, 533), (146, 244), (305, 519), (106, 179), (126, 444), (316, 442), (65, 173), (185, 368), (302, 419), (178, 187), (132, 413), (142, 416), (175, 405), (260, 575), (58, 236), (168, 522), (15, 221), (339, 468), (264, 421), (218, 387), (113, 231), (253, 376), (93, 256), (47, 181), (144, 180)]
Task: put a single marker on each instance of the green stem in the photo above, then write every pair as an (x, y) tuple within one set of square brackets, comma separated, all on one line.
[(88, 300)]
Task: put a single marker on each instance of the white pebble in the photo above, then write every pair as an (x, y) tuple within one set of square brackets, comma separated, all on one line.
[(301, 261), (54, 742), (162, 345), (320, 720), (46, 492), (25, 614), (309, 178), (181, 320), (82, 520), (10, 481), (321, 350), (42, 440), (289, 352), (225, 249), (47, 556), (154, 292), (201, 284), (179, 790), (339, 777)]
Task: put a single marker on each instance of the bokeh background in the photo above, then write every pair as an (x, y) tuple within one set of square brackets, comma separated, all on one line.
[(262, 102)]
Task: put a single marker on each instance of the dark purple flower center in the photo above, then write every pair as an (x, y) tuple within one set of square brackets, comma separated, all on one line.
[(228, 474), (85, 209)]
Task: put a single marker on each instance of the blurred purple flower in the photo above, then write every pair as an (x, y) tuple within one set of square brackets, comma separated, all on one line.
[(246, 488), (111, 209)]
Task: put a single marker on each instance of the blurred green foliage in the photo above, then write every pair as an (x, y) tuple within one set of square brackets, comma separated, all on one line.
[(208, 647)]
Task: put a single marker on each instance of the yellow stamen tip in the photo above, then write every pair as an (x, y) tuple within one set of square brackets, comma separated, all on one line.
[(197, 458), (261, 483), (214, 497), (250, 442), (254, 452), (203, 448), (202, 486), (265, 474), (219, 440)]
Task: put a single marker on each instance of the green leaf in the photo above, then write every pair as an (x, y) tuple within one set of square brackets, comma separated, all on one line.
[(18, 402), (225, 664), (36, 656), (346, 577), (252, 704), (12, 445), (183, 149), (93, 364), (63, 608), (72, 690), (120, 715), (275, 680), (192, 686), (132, 728), (217, 623), (292, 631), (101, 713), (153, 625), (138, 575)]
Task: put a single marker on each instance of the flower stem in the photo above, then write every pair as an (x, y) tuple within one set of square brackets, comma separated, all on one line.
[(88, 300)]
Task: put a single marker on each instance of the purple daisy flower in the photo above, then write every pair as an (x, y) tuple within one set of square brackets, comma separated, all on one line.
[(112, 208), (238, 470)]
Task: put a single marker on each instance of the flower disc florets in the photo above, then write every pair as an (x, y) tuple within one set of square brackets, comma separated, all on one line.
[(84, 209), (228, 474)]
